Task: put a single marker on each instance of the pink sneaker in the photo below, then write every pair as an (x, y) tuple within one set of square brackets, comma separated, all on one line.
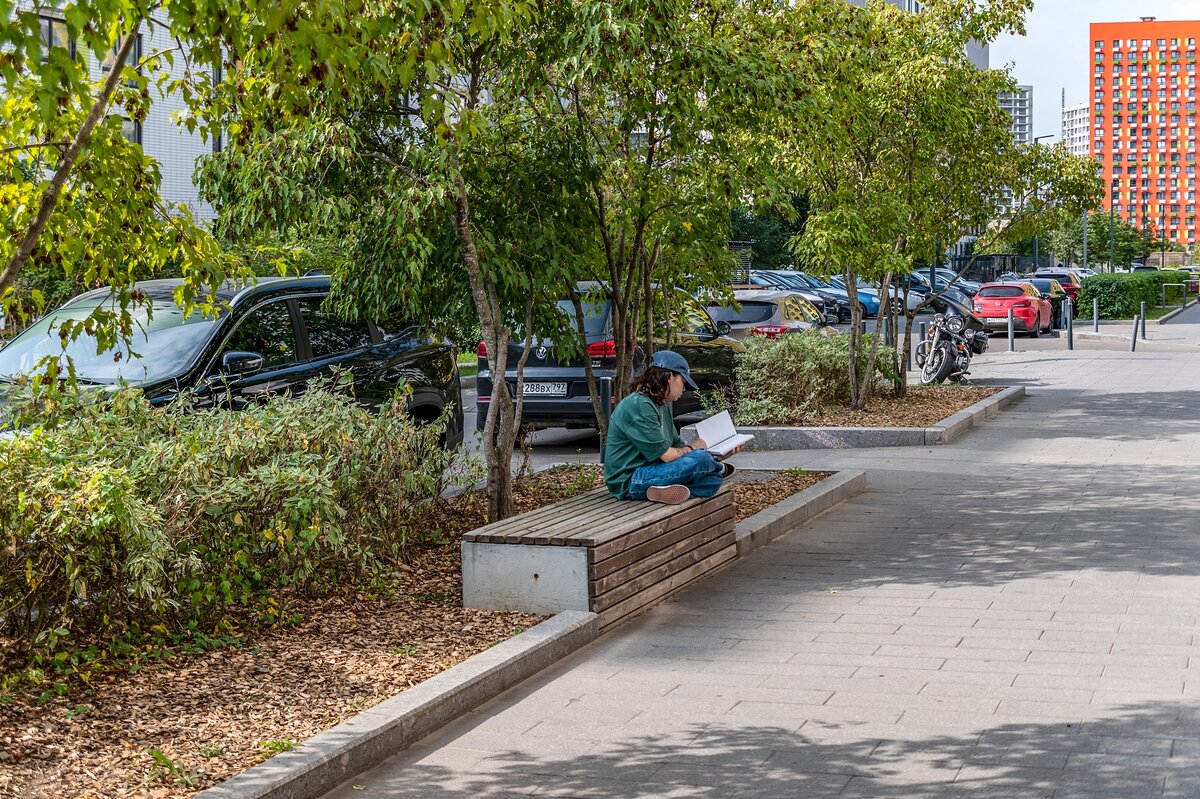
[(668, 495)]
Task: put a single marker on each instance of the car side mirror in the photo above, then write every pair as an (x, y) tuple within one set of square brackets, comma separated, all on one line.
[(723, 328), (241, 364)]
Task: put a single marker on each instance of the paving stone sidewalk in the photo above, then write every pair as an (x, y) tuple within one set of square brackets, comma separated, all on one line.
[(1014, 614)]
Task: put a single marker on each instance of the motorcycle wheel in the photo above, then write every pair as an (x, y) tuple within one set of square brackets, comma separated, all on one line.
[(938, 366), (922, 352)]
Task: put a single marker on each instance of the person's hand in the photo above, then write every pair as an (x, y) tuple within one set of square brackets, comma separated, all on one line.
[(731, 452), (699, 443)]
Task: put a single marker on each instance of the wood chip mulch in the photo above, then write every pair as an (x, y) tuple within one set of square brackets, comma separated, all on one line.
[(920, 407), (184, 722)]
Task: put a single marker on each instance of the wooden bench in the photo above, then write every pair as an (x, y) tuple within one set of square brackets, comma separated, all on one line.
[(595, 553)]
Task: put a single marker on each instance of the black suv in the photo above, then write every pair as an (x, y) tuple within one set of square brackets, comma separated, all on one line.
[(273, 337), (556, 390)]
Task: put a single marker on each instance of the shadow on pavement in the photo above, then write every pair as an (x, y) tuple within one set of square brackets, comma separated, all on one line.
[(1136, 752)]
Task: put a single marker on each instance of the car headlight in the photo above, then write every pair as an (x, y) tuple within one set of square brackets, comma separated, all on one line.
[(956, 324)]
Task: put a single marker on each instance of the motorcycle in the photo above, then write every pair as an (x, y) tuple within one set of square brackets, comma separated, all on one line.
[(946, 352)]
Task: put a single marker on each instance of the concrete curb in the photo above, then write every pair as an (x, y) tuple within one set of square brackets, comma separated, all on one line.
[(328, 759), (468, 382), (770, 439), (1162, 320), (783, 517), (955, 425)]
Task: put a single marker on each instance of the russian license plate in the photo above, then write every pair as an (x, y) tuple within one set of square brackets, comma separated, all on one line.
[(545, 389), (996, 319)]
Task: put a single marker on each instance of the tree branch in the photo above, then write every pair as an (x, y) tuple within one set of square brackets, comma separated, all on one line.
[(50, 196)]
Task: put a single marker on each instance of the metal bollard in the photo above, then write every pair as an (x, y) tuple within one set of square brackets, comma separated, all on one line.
[(1133, 338), (1012, 333), (1070, 323), (1143, 318), (604, 389), (1095, 314)]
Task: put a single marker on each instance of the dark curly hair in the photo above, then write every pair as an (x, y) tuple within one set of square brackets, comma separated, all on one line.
[(654, 382)]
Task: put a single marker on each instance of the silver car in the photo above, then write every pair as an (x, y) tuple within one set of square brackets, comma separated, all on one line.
[(767, 312)]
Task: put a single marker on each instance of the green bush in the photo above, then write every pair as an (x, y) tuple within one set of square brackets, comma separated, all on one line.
[(130, 516), (791, 379), (1121, 295)]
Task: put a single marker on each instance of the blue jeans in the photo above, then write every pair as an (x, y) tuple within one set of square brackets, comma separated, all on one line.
[(697, 470)]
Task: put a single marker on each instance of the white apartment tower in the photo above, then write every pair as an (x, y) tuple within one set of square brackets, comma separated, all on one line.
[(1019, 105), (1076, 128)]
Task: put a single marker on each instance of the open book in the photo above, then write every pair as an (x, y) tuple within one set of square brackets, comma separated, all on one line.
[(720, 435)]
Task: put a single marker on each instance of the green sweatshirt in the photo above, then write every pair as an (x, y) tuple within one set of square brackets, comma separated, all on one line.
[(639, 432)]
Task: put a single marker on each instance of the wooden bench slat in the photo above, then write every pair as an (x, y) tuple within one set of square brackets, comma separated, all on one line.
[(631, 562), (496, 532), (639, 535), (666, 513), (642, 582), (570, 528), (638, 602)]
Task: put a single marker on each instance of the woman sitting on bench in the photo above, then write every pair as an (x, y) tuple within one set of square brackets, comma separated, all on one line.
[(644, 457)]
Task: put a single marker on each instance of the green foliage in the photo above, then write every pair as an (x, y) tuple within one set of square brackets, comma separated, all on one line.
[(771, 232), (1122, 294), (793, 378), (276, 746), (1129, 244), (130, 517)]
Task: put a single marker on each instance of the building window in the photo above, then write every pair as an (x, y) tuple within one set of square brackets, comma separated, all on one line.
[(133, 61), (55, 34), (131, 130)]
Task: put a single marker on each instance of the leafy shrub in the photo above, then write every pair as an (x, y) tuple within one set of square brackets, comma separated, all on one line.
[(792, 378), (1121, 294), (129, 515)]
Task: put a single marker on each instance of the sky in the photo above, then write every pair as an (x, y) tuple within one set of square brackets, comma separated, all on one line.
[(1056, 51)]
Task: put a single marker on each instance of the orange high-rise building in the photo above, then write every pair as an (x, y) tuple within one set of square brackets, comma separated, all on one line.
[(1144, 122)]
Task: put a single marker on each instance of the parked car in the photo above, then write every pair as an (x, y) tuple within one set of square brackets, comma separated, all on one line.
[(868, 305), (1031, 311), (1067, 279), (777, 280), (1143, 268), (968, 287), (868, 295), (767, 313), (918, 283), (798, 281), (1052, 290), (273, 338), (556, 389)]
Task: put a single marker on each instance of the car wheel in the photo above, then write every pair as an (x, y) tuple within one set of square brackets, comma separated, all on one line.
[(1037, 329)]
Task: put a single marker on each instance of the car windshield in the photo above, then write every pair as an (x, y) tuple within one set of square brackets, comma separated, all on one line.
[(1001, 291), (162, 345), (750, 313), (1042, 286)]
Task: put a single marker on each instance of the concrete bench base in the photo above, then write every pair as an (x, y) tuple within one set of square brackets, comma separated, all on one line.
[(594, 553)]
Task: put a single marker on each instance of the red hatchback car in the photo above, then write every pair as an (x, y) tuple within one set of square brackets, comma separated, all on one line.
[(1032, 312)]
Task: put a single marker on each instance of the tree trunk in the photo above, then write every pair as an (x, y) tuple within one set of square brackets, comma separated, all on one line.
[(593, 388), (500, 429)]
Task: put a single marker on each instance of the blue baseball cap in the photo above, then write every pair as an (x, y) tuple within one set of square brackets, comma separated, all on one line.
[(673, 361)]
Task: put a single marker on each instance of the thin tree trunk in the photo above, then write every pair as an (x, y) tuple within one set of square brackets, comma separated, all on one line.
[(65, 164), (497, 443)]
